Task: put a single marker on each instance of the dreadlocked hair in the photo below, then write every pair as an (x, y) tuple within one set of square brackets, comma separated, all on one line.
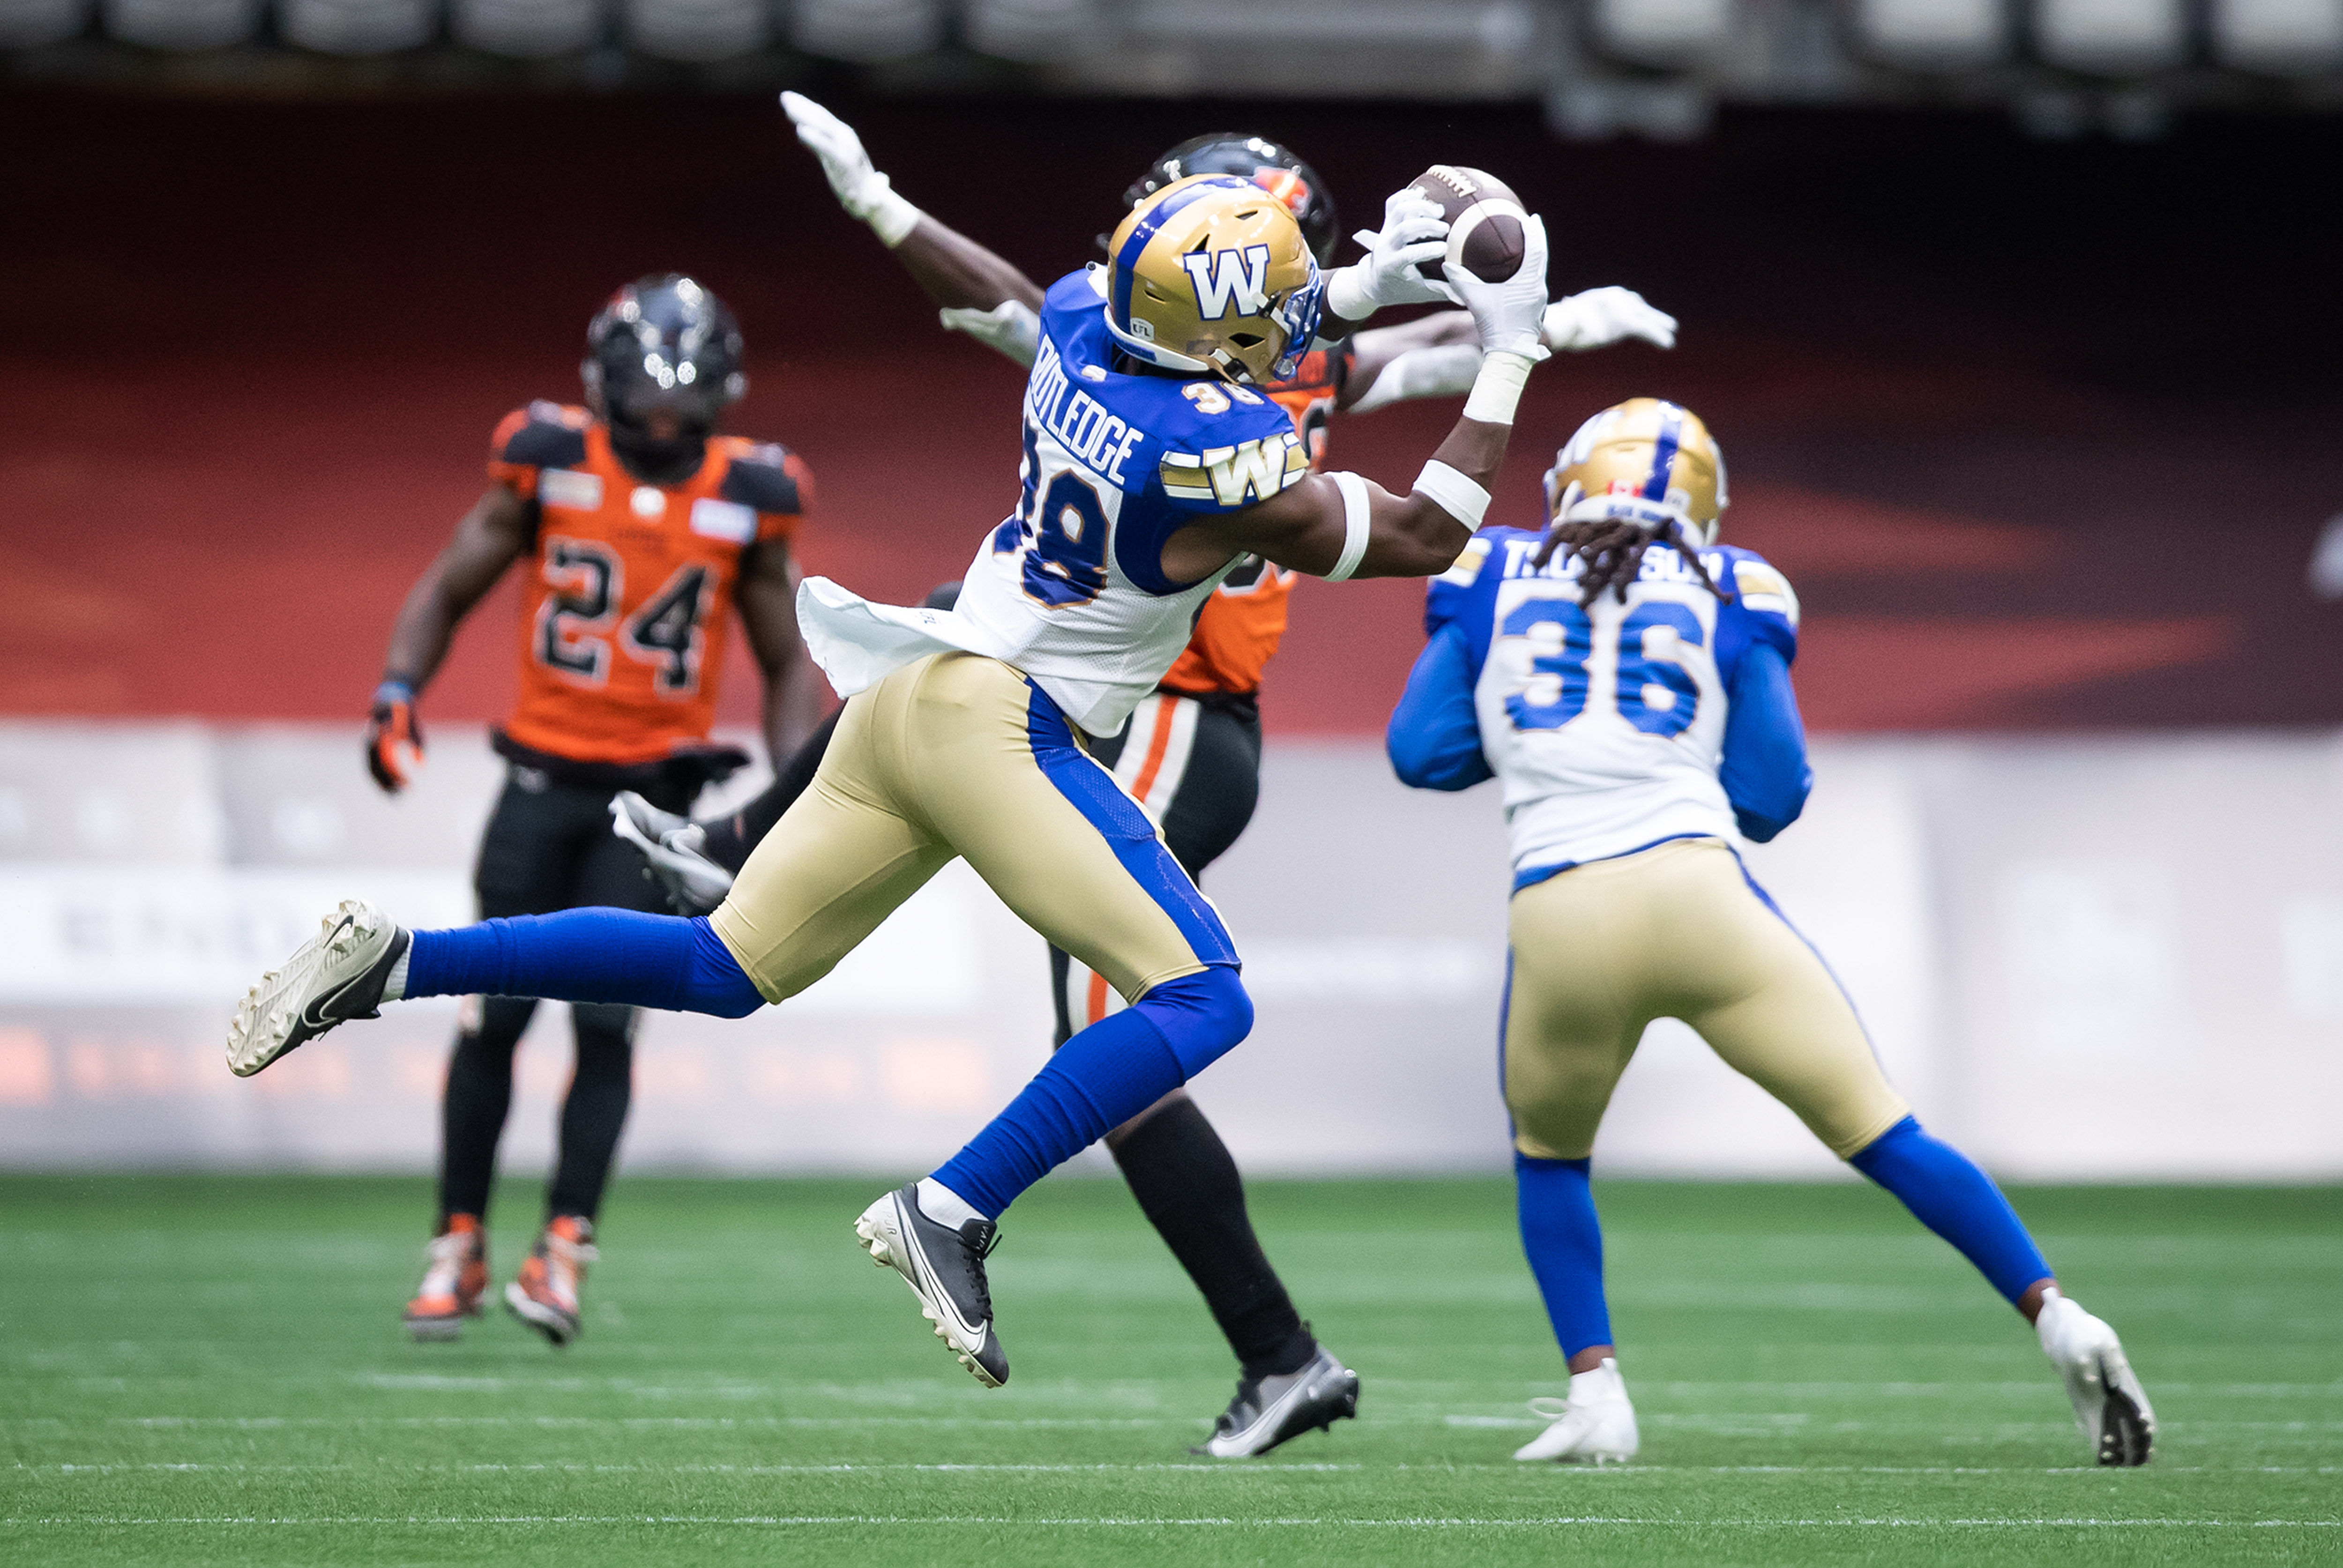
[(1610, 552)]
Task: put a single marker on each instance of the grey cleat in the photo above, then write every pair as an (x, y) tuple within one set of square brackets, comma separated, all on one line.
[(945, 1269), (334, 976), (1268, 1411), (670, 847)]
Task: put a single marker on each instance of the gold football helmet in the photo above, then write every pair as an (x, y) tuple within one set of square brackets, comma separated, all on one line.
[(1211, 275), (1647, 461)]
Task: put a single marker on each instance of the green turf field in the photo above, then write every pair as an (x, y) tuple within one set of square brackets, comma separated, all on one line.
[(210, 1369)]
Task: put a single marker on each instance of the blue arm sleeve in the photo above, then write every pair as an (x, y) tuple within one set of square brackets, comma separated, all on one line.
[(1764, 772), (1434, 736)]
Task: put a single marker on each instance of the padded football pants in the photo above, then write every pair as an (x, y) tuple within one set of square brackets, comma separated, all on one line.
[(1678, 931)]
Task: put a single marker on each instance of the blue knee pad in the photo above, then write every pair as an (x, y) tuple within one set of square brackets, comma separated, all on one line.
[(1201, 1016), (1101, 1079)]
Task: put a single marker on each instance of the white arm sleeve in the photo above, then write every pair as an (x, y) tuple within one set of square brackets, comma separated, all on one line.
[(1010, 326), (1446, 371), (1357, 522)]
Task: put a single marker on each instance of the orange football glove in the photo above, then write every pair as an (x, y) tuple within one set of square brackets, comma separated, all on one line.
[(393, 742)]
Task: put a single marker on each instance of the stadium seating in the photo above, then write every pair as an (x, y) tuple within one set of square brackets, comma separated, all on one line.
[(25, 23), (2112, 37), (1030, 29), (1933, 35), (527, 29), (182, 25), (695, 30), (2279, 37), (866, 29), (1663, 32), (358, 27)]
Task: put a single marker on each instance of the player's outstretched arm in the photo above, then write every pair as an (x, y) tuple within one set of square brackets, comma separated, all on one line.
[(1339, 526), (768, 597), (1438, 356), (981, 294), (1414, 233), (491, 535)]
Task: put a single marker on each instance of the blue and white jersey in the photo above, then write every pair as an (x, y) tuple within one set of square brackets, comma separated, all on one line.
[(1070, 587), (1114, 465), (1611, 726)]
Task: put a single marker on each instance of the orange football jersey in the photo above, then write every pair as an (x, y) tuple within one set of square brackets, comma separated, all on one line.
[(1238, 629), (628, 597)]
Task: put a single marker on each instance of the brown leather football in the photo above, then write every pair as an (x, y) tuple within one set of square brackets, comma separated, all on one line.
[(1485, 222)]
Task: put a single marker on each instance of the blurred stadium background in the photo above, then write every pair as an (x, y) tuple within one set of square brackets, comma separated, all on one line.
[(2017, 323)]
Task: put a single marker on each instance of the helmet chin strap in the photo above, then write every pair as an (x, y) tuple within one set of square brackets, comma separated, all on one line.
[(1233, 369), (654, 461)]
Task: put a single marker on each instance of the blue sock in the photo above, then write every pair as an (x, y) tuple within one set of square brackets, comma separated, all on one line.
[(1946, 1192), (1565, 1243), (586, 955), (1098, 1081)]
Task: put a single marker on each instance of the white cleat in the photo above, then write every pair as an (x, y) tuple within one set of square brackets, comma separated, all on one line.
[(334, 976), (2111, 1407), (1596, 1425)]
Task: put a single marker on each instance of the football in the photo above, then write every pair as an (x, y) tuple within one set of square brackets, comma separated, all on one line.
[(1485, 222)]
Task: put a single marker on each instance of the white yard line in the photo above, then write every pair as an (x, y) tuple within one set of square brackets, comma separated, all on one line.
[(991, 1520), (1216, 1467)]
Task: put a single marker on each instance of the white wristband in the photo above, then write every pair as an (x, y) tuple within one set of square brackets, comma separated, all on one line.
[(1347, 294), (892, 218), (1454, 491), (1498, 389), (1356, 520)]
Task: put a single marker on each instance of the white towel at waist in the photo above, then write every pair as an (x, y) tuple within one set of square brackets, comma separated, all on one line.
[(859, 644)]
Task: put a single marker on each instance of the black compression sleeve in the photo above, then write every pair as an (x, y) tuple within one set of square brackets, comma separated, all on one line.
[(1188, 1187), (729, 839)]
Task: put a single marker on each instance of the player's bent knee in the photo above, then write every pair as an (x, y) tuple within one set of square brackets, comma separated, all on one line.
[(713, 982), (1202, 1015)]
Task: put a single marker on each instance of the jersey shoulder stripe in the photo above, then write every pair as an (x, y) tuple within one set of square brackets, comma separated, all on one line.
[(1198, 418), (1763, 608), (1489, 557), (768, 478), (1760, 585), (544, 435)]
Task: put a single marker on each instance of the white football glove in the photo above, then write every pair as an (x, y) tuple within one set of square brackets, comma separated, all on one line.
[(1414, 233), (1509, 315), (1010, 327), (1600, 316), (862, 190)]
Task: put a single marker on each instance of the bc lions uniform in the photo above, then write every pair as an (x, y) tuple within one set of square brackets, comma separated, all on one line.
[(632, 544), (623, 617), (1626, 680)]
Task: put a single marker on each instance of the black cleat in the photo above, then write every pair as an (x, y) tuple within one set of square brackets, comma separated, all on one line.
[(1268, 1411), (945, 1269)]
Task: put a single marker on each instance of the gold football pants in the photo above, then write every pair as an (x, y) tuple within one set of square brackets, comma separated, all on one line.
[(1677, 930), (958, 755)]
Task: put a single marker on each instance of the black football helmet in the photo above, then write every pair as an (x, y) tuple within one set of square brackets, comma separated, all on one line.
[(662, 344), (1267, 163)]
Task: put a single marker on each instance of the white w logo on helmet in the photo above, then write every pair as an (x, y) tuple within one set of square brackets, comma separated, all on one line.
[(1223, 277)]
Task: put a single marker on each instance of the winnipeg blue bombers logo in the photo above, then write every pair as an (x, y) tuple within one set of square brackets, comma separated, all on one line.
[(1223, 277)]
